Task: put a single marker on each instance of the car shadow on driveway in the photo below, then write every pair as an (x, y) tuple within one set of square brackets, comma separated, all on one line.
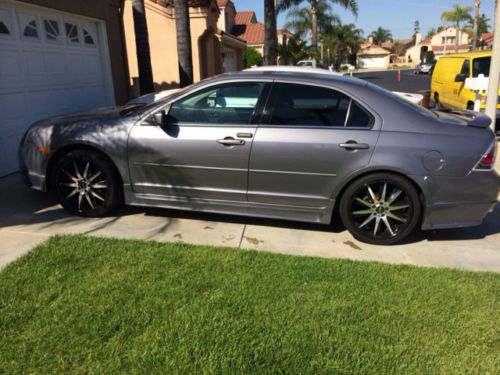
[(27, 210)]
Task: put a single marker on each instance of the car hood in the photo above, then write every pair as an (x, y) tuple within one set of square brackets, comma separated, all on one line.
[(93, 115)]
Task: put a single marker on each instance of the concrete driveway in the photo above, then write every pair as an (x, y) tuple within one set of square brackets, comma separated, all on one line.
[(28, 217)]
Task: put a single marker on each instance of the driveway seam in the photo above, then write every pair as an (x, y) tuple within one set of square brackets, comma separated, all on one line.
[(242, 235)]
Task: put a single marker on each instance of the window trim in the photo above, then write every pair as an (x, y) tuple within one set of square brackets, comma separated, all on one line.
[(265, 117)]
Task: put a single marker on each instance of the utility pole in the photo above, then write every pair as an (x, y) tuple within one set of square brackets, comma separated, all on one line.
[(492, 98)]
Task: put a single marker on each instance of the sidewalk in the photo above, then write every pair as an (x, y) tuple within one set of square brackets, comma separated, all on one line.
[(28, 217)]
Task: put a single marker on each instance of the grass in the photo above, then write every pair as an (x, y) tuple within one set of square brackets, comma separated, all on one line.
[(89, 305)]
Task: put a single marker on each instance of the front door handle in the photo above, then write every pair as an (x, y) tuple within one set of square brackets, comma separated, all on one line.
[(352, 145), (229, 141)]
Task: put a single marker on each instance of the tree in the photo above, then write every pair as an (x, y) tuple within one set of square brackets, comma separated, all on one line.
[(483, 25), (344, 39), (351, 5), (477, 4), (270, 37), (381, 35), (252, 57), (293, 51), (299, 20), (457, 15), (142, 47), (431, 33), (183, 31)]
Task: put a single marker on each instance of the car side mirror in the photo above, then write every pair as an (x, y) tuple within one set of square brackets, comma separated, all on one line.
[(460, 77), (159, 118)]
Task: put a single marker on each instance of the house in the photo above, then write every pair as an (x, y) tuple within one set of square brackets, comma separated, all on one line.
[(486, 40), (371, 55), (55, 57), (441, 43), (245, 26), (214, 50)]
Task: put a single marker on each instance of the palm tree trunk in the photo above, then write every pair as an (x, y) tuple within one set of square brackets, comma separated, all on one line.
[(457, 36), (314, 24), (477, 4), (270, 38), (142, 47), (184, 53)]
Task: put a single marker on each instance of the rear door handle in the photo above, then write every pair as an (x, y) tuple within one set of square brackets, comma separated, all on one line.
[(231, 142), (354, 146)]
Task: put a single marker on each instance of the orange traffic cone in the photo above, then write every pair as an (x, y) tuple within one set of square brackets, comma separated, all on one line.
[(399, 75)]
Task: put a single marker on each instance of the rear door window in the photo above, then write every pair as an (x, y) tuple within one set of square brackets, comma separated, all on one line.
[(306, 105)]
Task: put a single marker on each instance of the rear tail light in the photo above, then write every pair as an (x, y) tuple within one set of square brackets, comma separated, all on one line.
[(488, 159)]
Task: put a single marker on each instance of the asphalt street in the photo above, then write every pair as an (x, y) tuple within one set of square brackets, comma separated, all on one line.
[(409, 82)]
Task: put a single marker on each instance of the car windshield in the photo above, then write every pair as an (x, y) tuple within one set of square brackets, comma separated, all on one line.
[(481, 65)]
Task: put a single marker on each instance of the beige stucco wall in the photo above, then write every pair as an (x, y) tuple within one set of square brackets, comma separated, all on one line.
[(206, 45), (162, 44)]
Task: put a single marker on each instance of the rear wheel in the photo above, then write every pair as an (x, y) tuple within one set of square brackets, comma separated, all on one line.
[(86, 183), (381, 208)]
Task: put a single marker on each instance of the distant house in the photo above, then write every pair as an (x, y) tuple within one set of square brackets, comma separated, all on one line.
[(214, 50), (441, 44), (246, 27), (372, 55), (486, 40)]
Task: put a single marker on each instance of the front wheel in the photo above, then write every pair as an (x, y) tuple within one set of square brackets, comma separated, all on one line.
[(86, 183), (381, 208)]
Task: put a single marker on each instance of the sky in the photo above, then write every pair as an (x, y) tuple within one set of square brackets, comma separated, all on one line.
[(398, 16)]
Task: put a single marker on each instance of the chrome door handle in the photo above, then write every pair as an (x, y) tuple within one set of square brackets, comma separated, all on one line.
[(354, 146), (231, 142)]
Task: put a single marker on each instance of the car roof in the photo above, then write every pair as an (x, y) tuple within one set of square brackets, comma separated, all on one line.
[(467, 55), (301, 75), (289, 68)]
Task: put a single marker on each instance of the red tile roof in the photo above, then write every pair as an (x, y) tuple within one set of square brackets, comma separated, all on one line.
[(426, 41), (486, 37), (245, 17), (252, 33)]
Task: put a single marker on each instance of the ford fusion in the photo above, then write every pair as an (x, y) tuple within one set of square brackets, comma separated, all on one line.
[(290, 145)]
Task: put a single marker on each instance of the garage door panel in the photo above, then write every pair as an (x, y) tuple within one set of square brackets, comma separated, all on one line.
[(50, 63)]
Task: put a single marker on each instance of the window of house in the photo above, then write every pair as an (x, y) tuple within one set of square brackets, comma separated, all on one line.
[(31, 30), (4, 29), (305, 105), (230, 103), (51, 30), (88, 36), (72, 35)]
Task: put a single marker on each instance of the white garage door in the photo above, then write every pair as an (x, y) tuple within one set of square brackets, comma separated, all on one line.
[(373, 62), (50, 63)]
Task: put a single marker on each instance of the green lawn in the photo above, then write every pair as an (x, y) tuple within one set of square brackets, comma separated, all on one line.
[(86, 305)]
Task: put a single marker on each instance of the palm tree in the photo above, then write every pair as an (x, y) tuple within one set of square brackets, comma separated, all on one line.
[(183, 31), (457, 15), (381, 35), (477, 4), (299, 20), (293, 51), (344, 39), (270, 37), (142, 47), (352, 5)]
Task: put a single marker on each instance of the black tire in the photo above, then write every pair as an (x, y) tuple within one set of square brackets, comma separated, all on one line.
[(437, 103), (360, 211), (86, 183)]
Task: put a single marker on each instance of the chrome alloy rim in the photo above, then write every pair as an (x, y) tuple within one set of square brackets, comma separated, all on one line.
[(82, 185), (381, 209)]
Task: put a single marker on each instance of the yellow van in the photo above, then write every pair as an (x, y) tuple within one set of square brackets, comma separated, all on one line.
[(448, 79)]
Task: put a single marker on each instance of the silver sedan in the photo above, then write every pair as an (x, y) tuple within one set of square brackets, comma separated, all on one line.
[(288, 145)]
